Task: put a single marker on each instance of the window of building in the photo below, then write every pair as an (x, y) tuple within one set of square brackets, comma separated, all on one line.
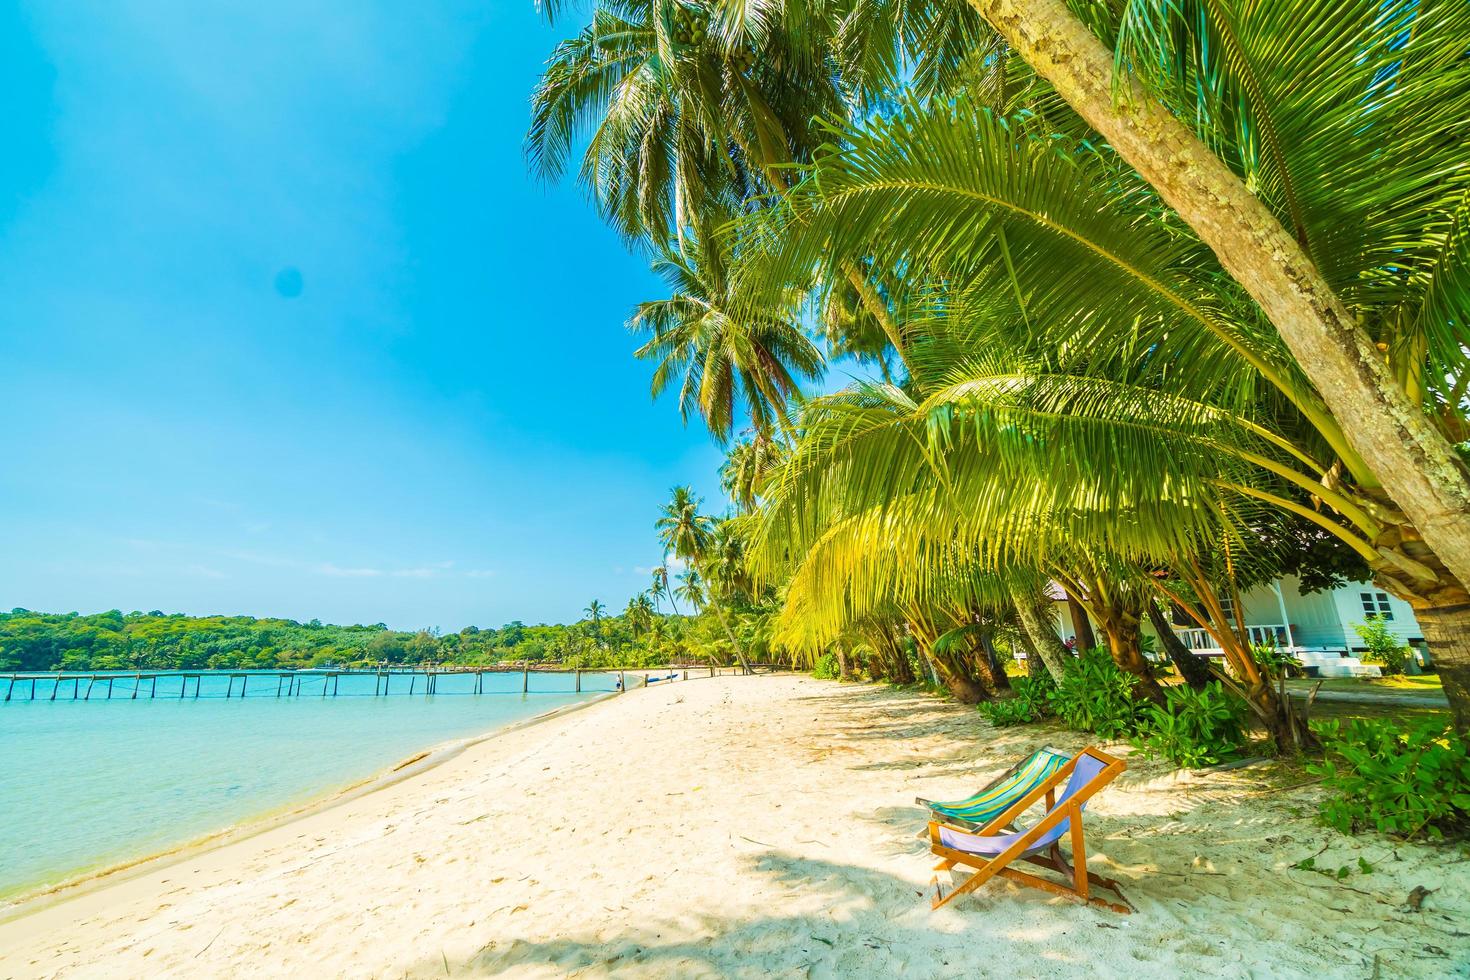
[(1376, 604)]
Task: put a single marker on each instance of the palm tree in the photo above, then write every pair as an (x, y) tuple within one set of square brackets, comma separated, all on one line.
[(594, 613), (691, 588), (1313, 147), (684, 103), (718, 349), (892, 502), (660, 587), (1294, 347), (692, 109), (1042, 258), (1333, 116), (695, 538), (746, 467), (639, 614), (682, 529)]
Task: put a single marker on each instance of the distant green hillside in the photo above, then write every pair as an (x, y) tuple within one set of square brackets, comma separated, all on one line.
[(155, 641)]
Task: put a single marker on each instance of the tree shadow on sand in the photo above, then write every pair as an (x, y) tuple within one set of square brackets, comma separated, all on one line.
[(851, 920), (849, 936)]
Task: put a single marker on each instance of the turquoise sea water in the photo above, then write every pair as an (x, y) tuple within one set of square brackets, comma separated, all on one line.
[(86, 784)]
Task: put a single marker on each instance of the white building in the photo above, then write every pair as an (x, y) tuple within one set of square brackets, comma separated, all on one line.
[(1317, 629), (1279, 614)]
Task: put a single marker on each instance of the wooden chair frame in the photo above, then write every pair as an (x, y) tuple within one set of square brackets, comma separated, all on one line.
[(1075, 870)]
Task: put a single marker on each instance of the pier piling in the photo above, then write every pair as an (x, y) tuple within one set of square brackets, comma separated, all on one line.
[(26, 685)]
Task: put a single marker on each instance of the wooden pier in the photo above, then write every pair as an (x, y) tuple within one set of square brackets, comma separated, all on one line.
[(386, 681)]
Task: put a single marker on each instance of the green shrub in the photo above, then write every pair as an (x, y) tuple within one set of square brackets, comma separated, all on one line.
[(826, 668), (1095, 696), (1029, 704), (1273, 661), (1401, 783), (1198, 728), (1383, 647)]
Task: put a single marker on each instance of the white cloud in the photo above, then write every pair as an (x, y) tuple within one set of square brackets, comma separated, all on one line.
[(336, 571)]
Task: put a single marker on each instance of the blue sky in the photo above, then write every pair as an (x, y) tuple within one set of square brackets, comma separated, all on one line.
[(286, 328)]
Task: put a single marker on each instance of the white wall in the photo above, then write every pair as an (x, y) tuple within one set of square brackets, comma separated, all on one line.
[(1350, 610), (1316, 620)]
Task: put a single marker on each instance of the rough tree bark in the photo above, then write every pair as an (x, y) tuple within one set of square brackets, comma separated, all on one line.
[(993, 667), (1082, 626), (844, 667), (1447, 631), (1044, 640), (1412, 460), (1193, 669), (1124, 644), (956, 670)]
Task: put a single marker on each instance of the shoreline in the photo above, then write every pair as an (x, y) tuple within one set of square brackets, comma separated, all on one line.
[(756, 827), (47, 896)]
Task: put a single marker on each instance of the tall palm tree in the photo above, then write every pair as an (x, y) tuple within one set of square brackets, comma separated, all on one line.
[(682, 103), (638, 614), (660, 587), (1314, 147), (1341, 187), (720, 350), (682, 529), (747, 465), (594, 613), (690, 107), (691, 588), (695, 538)]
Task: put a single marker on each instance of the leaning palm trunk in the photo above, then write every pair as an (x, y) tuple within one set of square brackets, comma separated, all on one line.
[(1271, 705), (1119, 612), (1193, 669), (735, 643), (844, 664), (867, 295), (954, 672), (1397, 442), (991, 663), (1082, 626), (888, 661), (1045, 642)]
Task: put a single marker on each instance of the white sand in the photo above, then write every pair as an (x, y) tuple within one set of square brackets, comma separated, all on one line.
[(755, 827)]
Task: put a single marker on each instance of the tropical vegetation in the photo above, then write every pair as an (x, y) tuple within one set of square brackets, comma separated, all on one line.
[(113, 640), (1158, 301)]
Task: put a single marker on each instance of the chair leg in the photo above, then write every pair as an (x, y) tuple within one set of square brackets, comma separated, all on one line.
[(941, 899), (1079, 854)]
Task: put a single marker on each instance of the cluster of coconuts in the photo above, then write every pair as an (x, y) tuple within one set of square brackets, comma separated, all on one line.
[(742, 60), (691, 30), (691, 27)]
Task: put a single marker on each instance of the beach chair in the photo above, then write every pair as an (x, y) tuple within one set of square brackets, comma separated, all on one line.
[(996, 797), (990, 851)]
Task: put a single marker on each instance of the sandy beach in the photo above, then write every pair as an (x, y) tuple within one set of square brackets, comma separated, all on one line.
[(756, 827)]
